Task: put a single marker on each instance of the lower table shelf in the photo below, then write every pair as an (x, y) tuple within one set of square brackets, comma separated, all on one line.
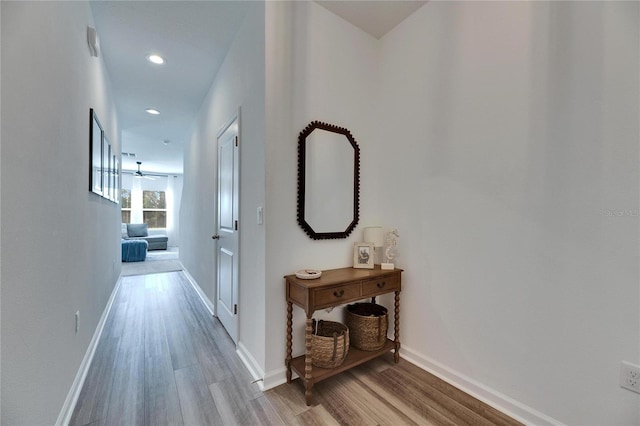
[(353, 358)]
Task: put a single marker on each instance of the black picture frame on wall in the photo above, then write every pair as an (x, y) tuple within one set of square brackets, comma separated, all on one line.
[(106, 168), (95, 154), (116, 180)]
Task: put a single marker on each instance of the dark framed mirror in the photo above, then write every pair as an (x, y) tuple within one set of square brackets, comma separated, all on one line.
[(328, 181)]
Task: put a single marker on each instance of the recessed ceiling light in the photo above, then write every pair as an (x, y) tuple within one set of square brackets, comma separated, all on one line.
[(156, 59), (152, 111)]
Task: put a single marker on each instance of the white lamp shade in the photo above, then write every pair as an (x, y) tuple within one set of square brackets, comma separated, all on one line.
[(374, 234)]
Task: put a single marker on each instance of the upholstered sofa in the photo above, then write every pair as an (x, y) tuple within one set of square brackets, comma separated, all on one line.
[(132, 231)]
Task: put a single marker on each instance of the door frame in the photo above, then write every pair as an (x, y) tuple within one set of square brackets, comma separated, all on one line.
[(235, 117)]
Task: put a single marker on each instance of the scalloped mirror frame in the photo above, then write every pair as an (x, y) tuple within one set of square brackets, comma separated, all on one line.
[(301, 181)]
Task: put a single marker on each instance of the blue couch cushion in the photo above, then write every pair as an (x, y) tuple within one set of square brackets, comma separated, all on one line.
[(137, 230)]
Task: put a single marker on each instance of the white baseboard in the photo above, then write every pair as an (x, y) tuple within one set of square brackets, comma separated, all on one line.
[(497, 400), (207, 303), (72, 397), (252, 365), (277, 378)]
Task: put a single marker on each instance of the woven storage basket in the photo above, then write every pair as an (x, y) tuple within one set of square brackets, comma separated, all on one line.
[(329, 344), (368, 324)]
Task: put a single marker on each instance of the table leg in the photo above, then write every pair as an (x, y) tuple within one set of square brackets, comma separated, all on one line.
[(289, 339), (396, 354), (308, 384)]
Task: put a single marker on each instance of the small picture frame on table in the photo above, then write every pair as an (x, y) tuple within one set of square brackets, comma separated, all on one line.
[(363, 255)]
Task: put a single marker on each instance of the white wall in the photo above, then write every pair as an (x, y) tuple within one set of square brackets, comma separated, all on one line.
[(238, 84), (59, 242), (502, 140), (515, 133), (319, 68)]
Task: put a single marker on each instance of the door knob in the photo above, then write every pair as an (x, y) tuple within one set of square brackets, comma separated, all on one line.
[(215, 237)]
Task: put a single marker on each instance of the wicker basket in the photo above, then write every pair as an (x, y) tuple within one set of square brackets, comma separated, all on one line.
[(329, 344), (368, 324)]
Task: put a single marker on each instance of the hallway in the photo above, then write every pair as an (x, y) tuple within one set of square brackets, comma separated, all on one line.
[(162, 359)]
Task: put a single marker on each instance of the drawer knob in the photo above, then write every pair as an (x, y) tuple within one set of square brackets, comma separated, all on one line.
[(338, 293), (382, 284)]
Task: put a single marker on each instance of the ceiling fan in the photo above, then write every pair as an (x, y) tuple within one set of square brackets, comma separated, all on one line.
[(139, 174)]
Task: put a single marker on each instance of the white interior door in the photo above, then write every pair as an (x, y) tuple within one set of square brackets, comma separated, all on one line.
[(227, 227)]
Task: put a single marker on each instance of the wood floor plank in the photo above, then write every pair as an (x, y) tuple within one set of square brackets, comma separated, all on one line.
[(155, 337), (411, 402), (344, 410), (118, 322), (161, 401), (214, 367), (484, 410), (204, 342), (178, 337), (418, 414), (317, 416), (92, 401), (288, 400), (265, 412), (436, 400), (233, 408), (245, 384), (126, 405), (369, 406), (196, 403), (240, 373)]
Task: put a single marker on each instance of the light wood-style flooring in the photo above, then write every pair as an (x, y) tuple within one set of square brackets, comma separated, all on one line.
[(163, 360)]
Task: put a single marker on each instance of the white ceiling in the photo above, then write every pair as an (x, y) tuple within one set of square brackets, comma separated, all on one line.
[(194, 37), (374, 17)]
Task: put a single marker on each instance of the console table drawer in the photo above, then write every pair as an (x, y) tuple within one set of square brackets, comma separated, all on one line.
[(336, 295), (380, 285)]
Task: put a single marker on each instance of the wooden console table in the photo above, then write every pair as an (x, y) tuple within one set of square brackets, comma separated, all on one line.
[(336, 287)]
